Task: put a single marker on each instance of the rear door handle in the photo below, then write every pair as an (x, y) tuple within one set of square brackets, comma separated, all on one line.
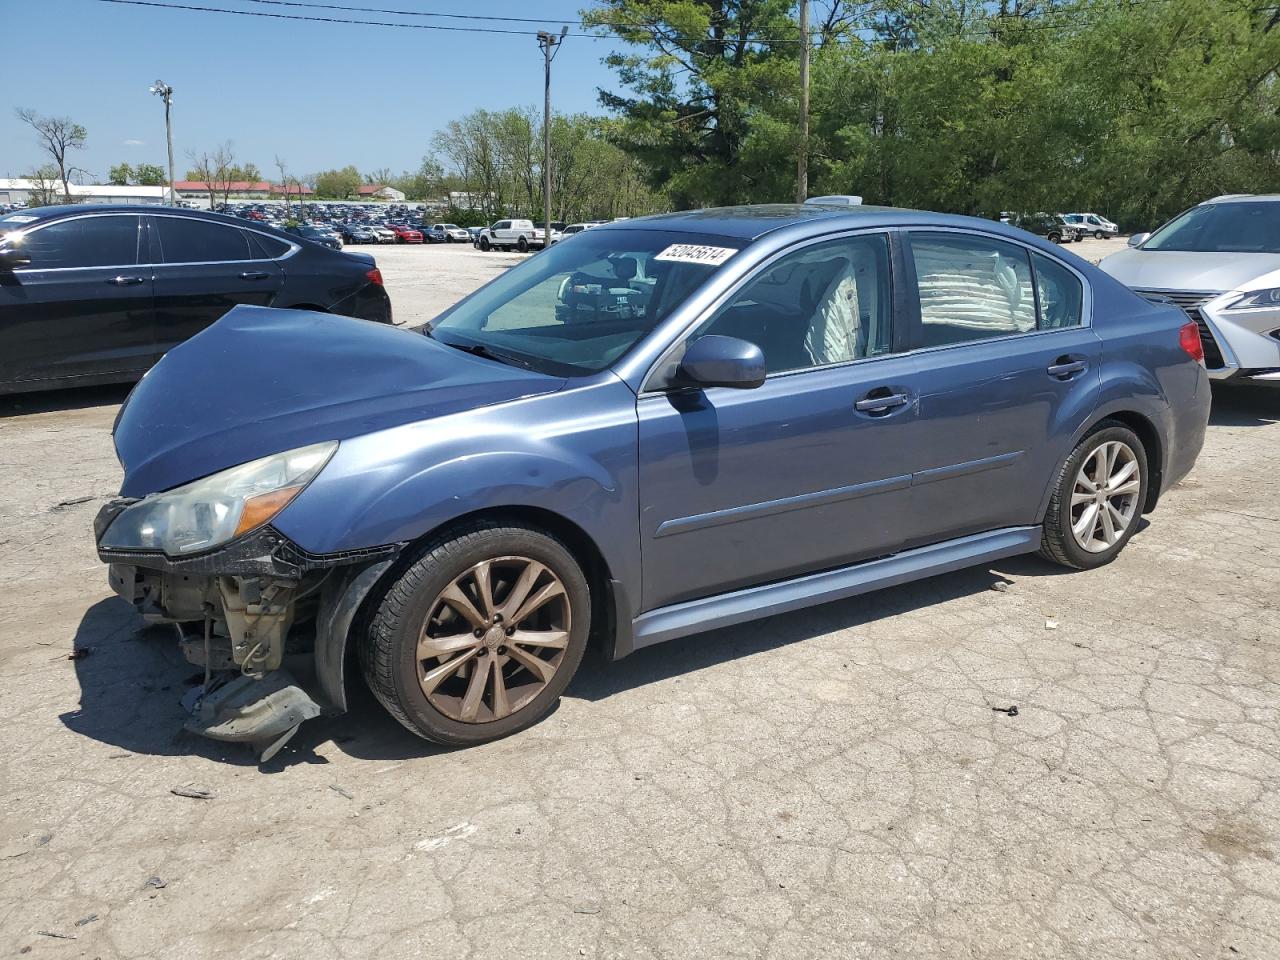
[(126, 281), (881, 401), (1064, 368), (254, 275)]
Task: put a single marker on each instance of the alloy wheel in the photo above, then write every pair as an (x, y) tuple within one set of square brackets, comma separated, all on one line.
[(494, 638), (1104, 498)]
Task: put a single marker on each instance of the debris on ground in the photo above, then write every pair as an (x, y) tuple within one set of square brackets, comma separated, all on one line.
[(55, 935), (74, 501), (1051, 624), (155, 883), (86, 920), (79, 653), (1011, 711), (195, 793), (587, 908), (340, 791), (1001, 586)]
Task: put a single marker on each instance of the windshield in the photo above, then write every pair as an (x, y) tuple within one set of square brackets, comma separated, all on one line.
[(1235, 227), (579, 306)]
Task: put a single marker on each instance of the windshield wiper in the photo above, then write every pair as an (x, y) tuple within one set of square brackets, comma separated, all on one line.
[(481, 350)]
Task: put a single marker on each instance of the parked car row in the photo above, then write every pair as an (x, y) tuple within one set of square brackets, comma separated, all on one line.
[(1062, 227)]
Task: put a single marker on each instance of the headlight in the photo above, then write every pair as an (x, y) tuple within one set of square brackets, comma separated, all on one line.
[(1258, 299), (221, 507)]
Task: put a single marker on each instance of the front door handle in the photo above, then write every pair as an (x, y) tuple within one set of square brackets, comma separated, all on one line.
[(1064, 368), (126, 281), (254, 275), (881, 400)]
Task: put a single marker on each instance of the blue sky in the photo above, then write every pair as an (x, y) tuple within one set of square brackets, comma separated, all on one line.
[(320, 95)]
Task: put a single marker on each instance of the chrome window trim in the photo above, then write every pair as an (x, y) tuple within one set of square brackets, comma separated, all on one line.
[(293, 247), (84, 216), (751, 274)]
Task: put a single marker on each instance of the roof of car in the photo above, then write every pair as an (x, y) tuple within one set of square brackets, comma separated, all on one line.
[(1230, 197), (752, 222)]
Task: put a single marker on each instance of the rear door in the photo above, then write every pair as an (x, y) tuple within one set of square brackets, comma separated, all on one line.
[(202, 270), (83, 307), (1009, 370)]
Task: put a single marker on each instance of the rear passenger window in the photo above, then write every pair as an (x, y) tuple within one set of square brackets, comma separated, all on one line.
[(199, 241), (267, 247), (1061, 294), (972, 288)]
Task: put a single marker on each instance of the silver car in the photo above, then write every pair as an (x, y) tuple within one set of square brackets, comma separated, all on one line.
[(1220, 262)]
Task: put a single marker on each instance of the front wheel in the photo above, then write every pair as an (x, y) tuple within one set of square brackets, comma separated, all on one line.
[(1054, 238), (480, 637), (1097, 500), (1099, 235), (484, 244)]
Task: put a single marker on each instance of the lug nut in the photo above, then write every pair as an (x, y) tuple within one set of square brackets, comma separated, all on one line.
[(511, 631), (479, 632)]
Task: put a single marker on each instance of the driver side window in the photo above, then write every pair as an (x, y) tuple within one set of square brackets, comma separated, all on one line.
[(824, 304)]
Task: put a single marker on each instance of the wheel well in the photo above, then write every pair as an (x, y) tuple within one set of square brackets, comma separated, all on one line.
[(579, 542), (1146, 432)]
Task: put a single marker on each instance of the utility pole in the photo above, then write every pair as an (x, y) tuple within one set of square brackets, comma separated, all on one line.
[(165, 92), (802, 172), (549, 43)]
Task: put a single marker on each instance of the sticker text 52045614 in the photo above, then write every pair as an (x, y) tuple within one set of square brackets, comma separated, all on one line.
[(696, 253)]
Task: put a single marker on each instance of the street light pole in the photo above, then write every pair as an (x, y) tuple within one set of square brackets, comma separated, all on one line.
[(549, 44), (802, 172), (165, 92)]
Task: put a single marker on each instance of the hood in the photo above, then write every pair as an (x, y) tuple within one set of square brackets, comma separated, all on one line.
[(261, 381), (1183, 270)]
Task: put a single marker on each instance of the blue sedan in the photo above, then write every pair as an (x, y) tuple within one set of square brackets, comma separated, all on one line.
[(657, 427)]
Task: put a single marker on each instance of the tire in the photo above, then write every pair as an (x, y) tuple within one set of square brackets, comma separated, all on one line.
[(414, 607), (484, 244), (1099, 235), (522, 245), (1054, 238), (1061, 542)]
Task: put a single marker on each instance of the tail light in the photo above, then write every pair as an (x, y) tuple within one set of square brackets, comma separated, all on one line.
[(1188, 339), (375, 276)]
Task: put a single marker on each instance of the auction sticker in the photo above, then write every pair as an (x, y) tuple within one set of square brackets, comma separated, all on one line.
[(18, 219), (695, 253)]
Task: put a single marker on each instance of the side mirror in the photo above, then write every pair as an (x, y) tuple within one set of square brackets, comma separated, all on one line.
[(716, 361), (11, 257), (1138, 239)]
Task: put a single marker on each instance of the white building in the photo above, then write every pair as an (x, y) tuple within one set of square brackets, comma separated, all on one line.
[(17, 190)]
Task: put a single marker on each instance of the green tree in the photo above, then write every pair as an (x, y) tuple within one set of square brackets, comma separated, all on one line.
[(338, 184), (120, 174), (150, 175)]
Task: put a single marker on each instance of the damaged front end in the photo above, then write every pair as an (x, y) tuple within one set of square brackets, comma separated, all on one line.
[(265, 619)]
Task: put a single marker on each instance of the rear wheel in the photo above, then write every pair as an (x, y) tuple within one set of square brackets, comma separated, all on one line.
[(522, 245), (480, 637), (1098, 499)]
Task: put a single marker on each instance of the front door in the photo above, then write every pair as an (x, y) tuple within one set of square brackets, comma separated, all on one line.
[(202, 270), (807, 471), (1009, 371), (82, 308)]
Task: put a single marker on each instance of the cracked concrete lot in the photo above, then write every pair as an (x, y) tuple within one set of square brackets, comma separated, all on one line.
[(833, 784)]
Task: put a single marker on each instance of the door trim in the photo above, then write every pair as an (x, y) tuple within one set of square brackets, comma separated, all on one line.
[(769, 508)]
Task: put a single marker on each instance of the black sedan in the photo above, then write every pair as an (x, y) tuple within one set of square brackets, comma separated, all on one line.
[(357, 233), (324, 235), (98, 294)]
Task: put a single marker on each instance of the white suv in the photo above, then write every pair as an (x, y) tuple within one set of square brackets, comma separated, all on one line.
[(520, 234)]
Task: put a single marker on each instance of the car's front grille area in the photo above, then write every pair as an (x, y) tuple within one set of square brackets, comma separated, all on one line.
[(1191, 301)]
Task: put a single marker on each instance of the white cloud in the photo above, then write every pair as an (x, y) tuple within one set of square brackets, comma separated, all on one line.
[(135, 143)]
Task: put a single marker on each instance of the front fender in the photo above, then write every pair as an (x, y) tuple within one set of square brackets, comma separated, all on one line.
[(571, 453)]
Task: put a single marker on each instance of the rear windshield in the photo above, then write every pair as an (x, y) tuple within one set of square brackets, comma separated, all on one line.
[(1240, 226), (578, 307)]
